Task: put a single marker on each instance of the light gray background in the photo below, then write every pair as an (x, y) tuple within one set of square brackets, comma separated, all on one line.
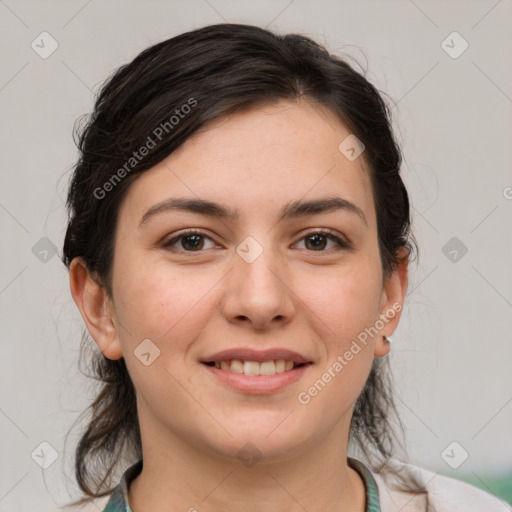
[(452, 354)]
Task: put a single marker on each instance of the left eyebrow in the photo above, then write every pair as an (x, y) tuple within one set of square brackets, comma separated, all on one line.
[(324, 205), (294, 209)]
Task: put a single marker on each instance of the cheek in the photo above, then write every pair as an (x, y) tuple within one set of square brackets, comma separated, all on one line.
[(345, 301), (171, 309), (342, 311), (158, 304)]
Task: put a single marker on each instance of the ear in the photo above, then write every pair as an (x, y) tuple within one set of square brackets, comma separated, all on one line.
[(393, 294), (94, 304)]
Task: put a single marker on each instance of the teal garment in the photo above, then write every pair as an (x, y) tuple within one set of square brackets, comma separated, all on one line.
[(119, 499)]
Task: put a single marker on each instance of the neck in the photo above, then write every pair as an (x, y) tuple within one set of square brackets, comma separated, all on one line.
[(183, 477)]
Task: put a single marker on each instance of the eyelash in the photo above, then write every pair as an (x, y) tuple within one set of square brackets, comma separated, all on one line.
[(330, 234)]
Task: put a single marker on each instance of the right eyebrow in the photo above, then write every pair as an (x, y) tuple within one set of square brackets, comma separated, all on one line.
[(201, 206)]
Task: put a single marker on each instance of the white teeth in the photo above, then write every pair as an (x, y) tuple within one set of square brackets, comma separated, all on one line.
[(255, 368), (267, 368), (251, 368), (280, 365), (237, 366)]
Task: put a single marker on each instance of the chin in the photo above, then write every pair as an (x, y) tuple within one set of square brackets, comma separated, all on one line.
[(261, 442)]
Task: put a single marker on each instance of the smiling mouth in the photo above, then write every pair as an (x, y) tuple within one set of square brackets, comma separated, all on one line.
[(254, 368)]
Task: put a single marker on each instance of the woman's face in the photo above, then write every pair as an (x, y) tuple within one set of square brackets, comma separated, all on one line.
[(258, 285)]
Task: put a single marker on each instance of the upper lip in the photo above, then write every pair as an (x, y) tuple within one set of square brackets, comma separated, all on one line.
[(249, 354)]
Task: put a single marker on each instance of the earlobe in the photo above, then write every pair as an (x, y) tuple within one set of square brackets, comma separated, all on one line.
[(92, 300), (393, 295), (382, 346)]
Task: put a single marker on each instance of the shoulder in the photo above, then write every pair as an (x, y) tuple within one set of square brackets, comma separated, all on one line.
[(445, 494)]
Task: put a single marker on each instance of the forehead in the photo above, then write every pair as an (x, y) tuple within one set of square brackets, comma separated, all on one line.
[(266, 155)]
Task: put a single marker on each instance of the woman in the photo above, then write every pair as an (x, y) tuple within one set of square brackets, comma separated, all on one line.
[(238, 246)]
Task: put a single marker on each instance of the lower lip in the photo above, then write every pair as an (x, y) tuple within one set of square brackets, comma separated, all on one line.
[(258, 384)]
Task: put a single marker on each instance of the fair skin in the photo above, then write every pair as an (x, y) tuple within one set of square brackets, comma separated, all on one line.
[(199, 299)]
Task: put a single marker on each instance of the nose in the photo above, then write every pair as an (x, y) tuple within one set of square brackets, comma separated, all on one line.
[(259, 293)]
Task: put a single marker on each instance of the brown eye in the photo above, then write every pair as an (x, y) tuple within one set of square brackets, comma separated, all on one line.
[(318, 241), (192, 241)]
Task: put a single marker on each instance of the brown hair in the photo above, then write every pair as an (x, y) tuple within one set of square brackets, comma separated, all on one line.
[(165, 95)]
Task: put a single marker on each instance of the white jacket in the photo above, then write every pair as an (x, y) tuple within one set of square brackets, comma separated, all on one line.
[(445, 494)]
